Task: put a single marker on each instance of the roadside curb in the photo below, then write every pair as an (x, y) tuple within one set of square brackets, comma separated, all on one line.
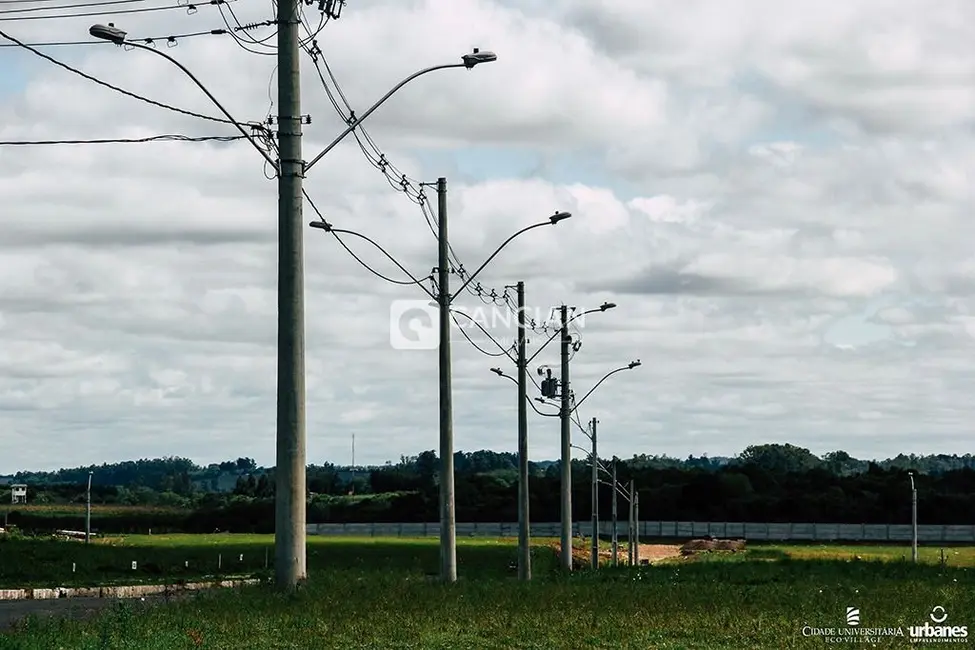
[(120, 591)]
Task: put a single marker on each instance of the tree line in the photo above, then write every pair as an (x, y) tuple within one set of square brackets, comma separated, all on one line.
[(764, 483)]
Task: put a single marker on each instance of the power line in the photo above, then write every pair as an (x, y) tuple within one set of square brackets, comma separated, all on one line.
[(110, 86), (153, 138), (72, 6), (171, 40), (190, 9), (366, 266)]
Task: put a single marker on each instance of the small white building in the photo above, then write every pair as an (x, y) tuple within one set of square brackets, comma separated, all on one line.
[(18, 493)]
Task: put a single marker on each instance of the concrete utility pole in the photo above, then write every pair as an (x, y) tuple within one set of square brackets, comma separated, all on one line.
[(289, 509), (615, 535), (88, 511), (913, 518), (636, 526), (565, 414), (448, 520), (524, 531), (595, 499), (630, 531)]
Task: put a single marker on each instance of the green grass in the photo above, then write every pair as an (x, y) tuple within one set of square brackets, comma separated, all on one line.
[(377, 593)]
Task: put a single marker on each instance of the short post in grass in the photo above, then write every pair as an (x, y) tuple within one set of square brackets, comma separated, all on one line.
[(219, 561)]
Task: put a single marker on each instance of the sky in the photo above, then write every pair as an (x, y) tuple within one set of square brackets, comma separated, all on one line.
[(777, 196)]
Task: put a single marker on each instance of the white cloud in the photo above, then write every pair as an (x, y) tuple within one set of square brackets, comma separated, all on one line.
[(781, 212)]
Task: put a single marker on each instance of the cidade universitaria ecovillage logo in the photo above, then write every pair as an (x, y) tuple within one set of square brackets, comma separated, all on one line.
[(939, 632)]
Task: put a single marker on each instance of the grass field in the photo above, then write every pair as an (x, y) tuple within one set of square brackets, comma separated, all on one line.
[(377, 593)]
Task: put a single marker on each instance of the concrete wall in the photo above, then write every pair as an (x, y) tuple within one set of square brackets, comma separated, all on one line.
[(677, 529)]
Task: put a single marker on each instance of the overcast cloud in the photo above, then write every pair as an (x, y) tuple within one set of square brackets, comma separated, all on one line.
[(778, 195)]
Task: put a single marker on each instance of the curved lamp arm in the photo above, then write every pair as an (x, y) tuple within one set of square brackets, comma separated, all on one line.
[(500, 373), (117, 36), (470, 60), (327, 227), (602, 307), (554, 219), (629, 366)]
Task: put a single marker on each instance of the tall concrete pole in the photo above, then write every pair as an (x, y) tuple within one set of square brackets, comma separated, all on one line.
[(616, 543), (636, 527), (289, 508), (595, 500), (88, 511), (630, 529), (524, 531), (565, 414), (448, 521)]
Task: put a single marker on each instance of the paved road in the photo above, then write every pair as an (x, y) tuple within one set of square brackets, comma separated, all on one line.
[(12, 611)]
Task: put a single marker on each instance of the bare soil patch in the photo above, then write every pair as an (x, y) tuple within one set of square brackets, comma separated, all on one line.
[(696, 546), (582, 553)]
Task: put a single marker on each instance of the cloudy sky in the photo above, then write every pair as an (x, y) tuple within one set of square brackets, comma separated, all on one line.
[(778, 196)]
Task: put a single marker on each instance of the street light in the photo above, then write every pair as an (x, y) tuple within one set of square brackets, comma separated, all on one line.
[(913, 518), (448, 524), (469, 61), (630, 366), (115, 35), (290, 549), (554, 219)]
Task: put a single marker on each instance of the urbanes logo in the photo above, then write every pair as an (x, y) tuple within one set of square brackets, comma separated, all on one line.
[(937, 633), (852, 633)]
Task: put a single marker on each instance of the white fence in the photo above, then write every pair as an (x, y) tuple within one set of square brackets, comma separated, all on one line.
[(673, 529)]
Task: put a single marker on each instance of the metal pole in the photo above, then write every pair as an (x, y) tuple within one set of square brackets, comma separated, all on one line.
[(564, 413), (524, 541), (289, 525), (636, 527), (88, 511), (615, 534), (595, 500), (448, 523)]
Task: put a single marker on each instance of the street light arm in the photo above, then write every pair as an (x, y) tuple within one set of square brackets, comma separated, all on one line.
[(629, 366), (554, 219), (327, 227), (357, 121), (603, 307), (213, 99), (500, 373)]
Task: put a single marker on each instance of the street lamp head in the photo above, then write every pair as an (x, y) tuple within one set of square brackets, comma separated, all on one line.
[(477, 56), (324, 225), (634, 364), (559, 216), (108, 33), (497, 371), (606, 305)]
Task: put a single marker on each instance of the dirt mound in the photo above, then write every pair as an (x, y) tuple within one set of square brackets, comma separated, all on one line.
[(649, 553), (709, 545)]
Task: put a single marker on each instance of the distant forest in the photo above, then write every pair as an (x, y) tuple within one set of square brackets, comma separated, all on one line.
[(764, 483)]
